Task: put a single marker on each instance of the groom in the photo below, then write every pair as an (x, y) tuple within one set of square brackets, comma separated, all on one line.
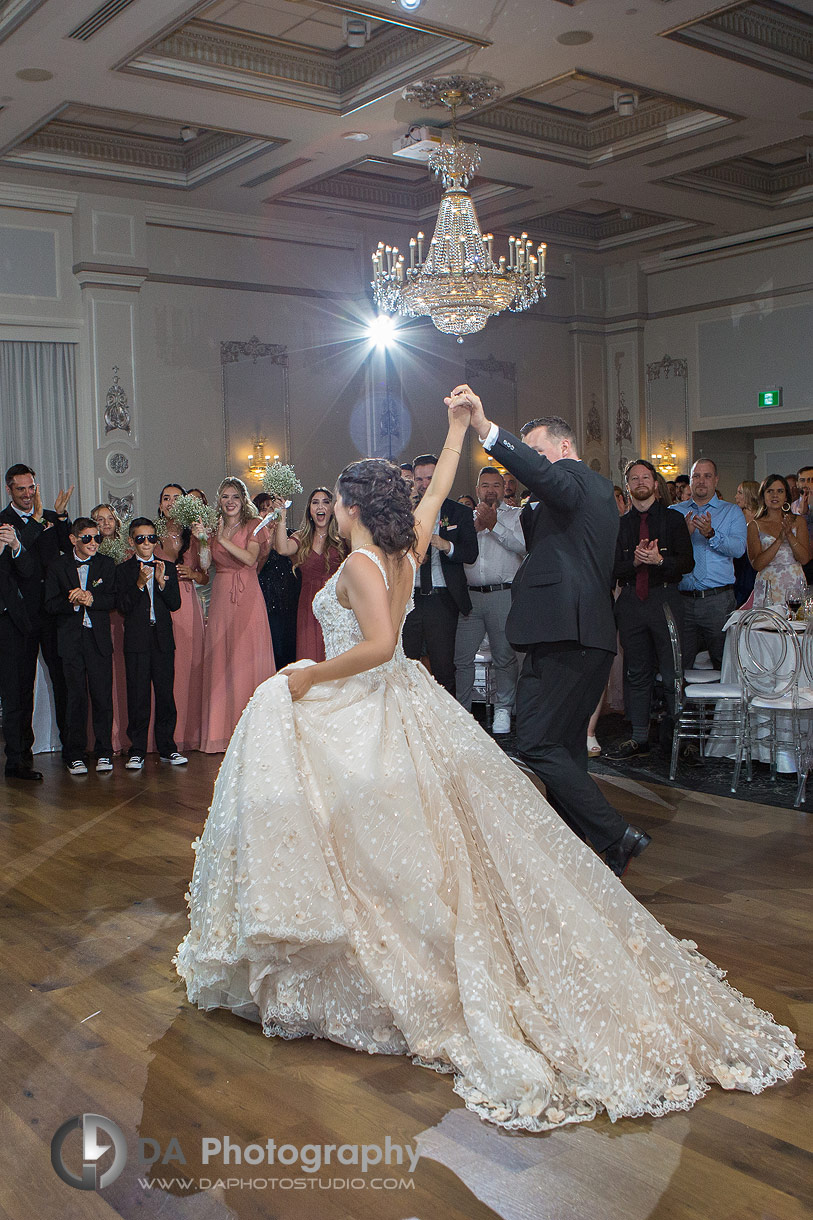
[(561, 617)]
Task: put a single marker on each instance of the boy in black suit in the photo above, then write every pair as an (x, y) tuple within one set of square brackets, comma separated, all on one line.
[(147, 592), (79, 593)]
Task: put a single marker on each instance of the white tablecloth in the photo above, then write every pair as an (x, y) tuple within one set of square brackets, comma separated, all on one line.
[(767, 646)]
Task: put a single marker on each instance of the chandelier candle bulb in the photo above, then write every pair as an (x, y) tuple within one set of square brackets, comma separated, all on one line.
[(489, 241), (420, 248), (412, 246)]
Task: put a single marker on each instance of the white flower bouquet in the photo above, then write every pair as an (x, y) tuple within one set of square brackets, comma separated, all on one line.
[(280, 480), (115, 547), (189, 511)]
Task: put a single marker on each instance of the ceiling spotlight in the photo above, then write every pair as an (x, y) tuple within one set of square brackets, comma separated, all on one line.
[(356, 31), (409, 6), (189, 133), (625, 102), (359, 136), (381, 330)]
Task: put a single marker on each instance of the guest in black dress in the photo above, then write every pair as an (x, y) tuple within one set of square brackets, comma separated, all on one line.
[(280, 586)]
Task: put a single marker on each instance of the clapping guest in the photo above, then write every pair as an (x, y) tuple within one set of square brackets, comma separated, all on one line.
[(280, 589), (238, 654), (778, 544), (116, 544), (80, 593), (683, 488), (44, 535), (317, 550), (803, 506), (147, 594), (511, 493), (183, 546), (15, 625), (747, 499)]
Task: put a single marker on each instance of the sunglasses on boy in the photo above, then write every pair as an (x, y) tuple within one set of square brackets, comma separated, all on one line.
[(145, 538), (86, 538)]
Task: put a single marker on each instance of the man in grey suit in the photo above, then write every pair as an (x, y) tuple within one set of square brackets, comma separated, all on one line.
[(562, 619)]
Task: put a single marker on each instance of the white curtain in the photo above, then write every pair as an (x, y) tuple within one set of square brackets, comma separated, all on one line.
[(38, 413)]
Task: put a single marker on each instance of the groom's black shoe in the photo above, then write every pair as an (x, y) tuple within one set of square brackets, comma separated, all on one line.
[(631, 844)]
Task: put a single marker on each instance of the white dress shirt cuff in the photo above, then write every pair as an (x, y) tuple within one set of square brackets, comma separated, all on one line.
[(493, 433), (450, 551)]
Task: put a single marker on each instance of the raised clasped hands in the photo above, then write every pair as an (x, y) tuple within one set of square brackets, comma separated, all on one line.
[(300, 680), (463, 399), (647, 552)]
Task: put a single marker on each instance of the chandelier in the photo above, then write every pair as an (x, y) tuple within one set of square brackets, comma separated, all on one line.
[(666, 462), (456, 281)]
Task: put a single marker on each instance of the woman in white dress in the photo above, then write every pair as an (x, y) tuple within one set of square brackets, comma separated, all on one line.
[(375, 871)]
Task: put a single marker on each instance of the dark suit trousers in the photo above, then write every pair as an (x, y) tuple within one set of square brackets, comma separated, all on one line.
[(557, 693), (12, 673), (430, 630), (157, 669), (644, 635), (43, 636), (87, 670)]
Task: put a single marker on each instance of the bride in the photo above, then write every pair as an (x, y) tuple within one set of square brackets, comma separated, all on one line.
[(375, 871)]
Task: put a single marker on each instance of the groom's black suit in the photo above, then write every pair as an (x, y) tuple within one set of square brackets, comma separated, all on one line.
[(562, 618)]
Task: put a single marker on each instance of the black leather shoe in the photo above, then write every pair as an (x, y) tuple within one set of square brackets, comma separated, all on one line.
[(631, 844), (627, 750), (23, 773), (690, 756)]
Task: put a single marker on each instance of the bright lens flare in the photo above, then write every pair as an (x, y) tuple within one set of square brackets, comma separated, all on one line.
[(382, 330)]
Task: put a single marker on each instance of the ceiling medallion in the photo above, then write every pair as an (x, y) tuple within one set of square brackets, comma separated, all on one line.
[(457, 284)]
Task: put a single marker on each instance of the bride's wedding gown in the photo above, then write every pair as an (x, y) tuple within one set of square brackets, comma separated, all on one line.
[(374, 870)]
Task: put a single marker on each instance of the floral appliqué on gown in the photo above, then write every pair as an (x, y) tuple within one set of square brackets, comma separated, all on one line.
[(375, 871)]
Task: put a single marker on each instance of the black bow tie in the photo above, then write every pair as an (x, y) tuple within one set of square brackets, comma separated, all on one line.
[(147, 563), (83, 563)]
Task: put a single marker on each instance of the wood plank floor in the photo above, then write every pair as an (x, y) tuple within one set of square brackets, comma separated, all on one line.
[(93, 1019)]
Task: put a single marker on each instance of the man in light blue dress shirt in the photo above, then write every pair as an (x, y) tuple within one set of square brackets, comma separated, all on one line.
[(718, 532)]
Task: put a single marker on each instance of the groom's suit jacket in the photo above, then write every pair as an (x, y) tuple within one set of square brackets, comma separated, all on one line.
[(457, 527), (563, 589)]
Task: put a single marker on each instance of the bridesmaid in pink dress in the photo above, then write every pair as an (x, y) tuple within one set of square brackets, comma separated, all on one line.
[(110, 527), (185, 550), (237, 655), (317, 550)]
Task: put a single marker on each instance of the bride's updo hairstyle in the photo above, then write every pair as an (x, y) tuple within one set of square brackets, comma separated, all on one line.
[(382, 495)]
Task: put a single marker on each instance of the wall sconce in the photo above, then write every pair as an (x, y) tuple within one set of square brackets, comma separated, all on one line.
[(666, 462), (259, 460)]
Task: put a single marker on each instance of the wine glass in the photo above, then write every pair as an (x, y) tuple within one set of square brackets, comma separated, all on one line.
[(794, 596)]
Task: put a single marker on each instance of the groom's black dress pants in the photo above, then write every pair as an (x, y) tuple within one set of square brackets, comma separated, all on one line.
[(559, 688)]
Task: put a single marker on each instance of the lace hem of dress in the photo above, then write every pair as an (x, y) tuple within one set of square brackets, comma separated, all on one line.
[(539, 1109)]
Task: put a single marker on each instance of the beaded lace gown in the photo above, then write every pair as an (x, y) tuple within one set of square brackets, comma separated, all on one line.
[(375, 871)]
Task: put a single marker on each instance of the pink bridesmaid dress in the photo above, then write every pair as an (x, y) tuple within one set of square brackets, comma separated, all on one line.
[(238, 655), (187, 625)]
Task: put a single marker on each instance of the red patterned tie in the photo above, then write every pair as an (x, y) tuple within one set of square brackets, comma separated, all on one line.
[(642, 575)]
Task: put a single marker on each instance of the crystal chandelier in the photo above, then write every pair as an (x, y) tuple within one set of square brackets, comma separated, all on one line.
[(457, 283)]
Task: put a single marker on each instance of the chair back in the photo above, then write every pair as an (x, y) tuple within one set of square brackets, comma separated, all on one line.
[(677, 656), (769, 676)]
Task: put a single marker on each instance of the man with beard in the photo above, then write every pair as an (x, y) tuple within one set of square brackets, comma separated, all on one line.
[(502, 549), (652, 554)]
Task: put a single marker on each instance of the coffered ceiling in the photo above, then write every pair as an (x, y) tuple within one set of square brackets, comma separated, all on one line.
[(623, 126)]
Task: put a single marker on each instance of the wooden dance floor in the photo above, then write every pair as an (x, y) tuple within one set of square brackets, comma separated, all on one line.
[(94, 1021)]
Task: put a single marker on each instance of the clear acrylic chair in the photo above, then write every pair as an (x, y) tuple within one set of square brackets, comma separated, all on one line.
[(707, 711), (777, 682)]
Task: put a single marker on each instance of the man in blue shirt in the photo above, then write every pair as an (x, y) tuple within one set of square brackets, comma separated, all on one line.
[(718, 532)]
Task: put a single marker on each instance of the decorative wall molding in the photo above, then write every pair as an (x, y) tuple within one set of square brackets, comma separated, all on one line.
[(117, 409), (38, 198), (755, 181), (370, 194), (203, 220), (13, 13), (608, 231), (235, 349), (667, 405), (236, 410)]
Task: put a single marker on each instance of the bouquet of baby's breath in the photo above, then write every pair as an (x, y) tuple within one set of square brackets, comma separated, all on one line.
[(280, 480), (115, 547), (189, 511)]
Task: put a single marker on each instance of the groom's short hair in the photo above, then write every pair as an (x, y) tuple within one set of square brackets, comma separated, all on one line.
[(559, 429), (425, 459)]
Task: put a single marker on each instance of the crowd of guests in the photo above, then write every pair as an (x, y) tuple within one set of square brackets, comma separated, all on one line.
[(155, 636)]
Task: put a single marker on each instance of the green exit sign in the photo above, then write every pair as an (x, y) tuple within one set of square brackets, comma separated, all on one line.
[(770, 398)]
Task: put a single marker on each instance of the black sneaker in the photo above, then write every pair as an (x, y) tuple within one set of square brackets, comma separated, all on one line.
[(626, 750)]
